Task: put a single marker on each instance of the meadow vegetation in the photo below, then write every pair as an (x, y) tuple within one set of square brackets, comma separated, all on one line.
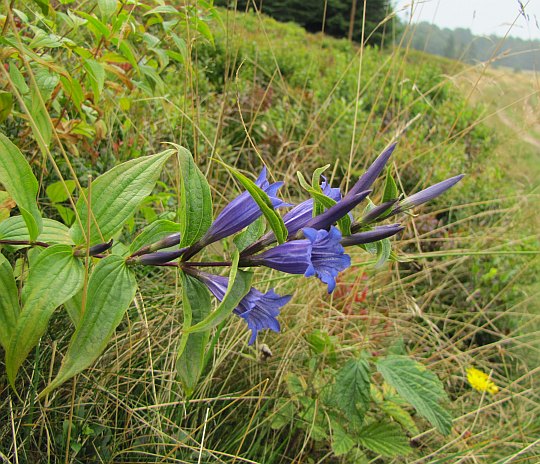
[(86, 87)]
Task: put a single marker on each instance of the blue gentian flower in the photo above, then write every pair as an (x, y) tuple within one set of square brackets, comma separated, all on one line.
[(294, 219), (259, 310), (320, 254), (328, 257), (239, 213)]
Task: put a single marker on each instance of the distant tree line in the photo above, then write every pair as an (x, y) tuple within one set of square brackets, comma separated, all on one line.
[(461, 44), (338, 18)]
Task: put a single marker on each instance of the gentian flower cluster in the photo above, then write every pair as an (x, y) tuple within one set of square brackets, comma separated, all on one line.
[(315, 245)]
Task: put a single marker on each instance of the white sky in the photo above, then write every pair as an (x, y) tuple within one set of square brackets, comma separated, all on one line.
[(483, 17)]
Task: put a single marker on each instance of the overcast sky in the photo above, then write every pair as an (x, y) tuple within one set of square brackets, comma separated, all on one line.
[(483, 17)]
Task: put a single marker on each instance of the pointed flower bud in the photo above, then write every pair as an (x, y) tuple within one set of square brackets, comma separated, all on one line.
[(427, 194), (373, 214), (336, 212), (94, 250), (259, 310), (157, 258), (367, 179), (169, 241), (374, 235)]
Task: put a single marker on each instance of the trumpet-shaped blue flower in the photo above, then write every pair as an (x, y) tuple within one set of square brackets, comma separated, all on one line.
[(294, 219), (259, 310), (320, 254), (239, 213)]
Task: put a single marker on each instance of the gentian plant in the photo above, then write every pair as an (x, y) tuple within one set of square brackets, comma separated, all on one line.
[(95, 281)]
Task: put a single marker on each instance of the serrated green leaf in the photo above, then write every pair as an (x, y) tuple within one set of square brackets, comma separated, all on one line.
[(352, 388), (111, 289), (6, 105), (342, 442), (18, 179), (60, 191), (399, 414), (197, 305), (239, 286), (153, 232), (54, 277), (116, 196), (384, 439), (265, 204), (420, 387), (9, 302), (195, 209), (253, 232)]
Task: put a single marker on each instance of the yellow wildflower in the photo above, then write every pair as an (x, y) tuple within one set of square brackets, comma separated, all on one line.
[(480, 381)]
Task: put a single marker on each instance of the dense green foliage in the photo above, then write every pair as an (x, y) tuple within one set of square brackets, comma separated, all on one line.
[(333, 17), (461, 44)]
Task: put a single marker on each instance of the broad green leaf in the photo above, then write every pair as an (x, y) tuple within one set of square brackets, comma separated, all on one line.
[(60, 191), (265, 204), (385, 439), (342, 442), (107, 8), (18, 179), (54, 277), (352, 388), (73, 307), (6, 105), (239, 286), (195, 209), (111, 290), (153, 232), (391, 191), (96, 76), (248, 236), (73, 89), (9, 302), (399, 414), (116, 195), (420, 387), (197, 304), (53, 232)]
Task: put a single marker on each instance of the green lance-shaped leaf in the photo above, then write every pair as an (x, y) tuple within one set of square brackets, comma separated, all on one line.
[(263, 201), (239, 286), (14, 228), (116, 196), (195, 209), (9, 302), (197, 305), (390, 188), (18, 179), (385, 439), (352, 388), (111, 289), (6, 105), (420, 387), (54, 277)]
